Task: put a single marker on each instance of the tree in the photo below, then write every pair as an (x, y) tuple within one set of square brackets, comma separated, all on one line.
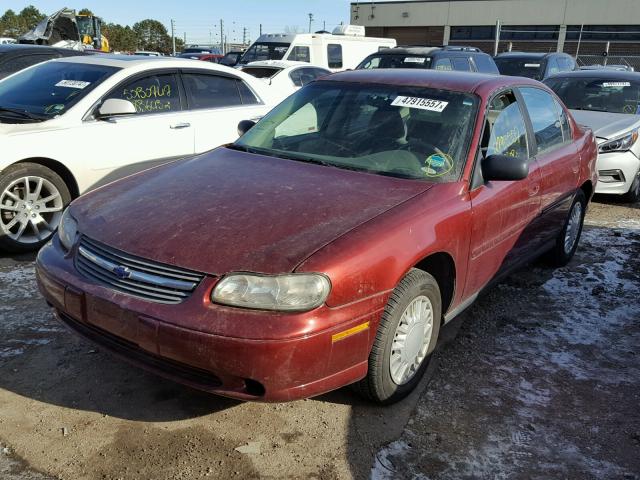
[(152, 35), (29, 17), (86, 11), (10, 24), (121, 39)]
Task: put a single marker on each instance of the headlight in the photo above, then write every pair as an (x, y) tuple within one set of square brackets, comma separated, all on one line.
[(67, 230), (297, 292), (621, 143)]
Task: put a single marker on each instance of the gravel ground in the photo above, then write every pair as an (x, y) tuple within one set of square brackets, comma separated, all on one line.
[(539, 379)]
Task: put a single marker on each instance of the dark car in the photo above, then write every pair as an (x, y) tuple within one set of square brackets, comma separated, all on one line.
[(201, 49), (205, 57), (534, 65), (334, 238), (465, 59), (14, 57), (231, 59)]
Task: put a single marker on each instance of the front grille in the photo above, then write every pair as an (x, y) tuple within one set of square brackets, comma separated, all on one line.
[(134, 276)]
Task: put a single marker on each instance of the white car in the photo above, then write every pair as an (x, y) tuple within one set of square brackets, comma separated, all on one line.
[(7, 40), (70, 125), (285, 77)]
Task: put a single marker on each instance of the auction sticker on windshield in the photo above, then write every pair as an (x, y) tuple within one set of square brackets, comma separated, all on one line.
[(73, 84), (616, 84), (421, 103), (414, 60)]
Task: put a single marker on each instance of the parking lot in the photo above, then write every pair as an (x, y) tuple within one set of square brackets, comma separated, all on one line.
[(539, 379)]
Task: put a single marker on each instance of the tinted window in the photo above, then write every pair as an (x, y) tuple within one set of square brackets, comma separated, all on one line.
[(461, 64), (506, 127), (51, 88), (521, 67), (302, 76), (566, 64), (600, 94), (485, 64), (261, 72), (545, 118), (334, 55), (442, 64), (552, 66), (247, 96), (265, 51), (410, 132), (16, 64), (395, 61), (300, 54), (211, 91), (151, 94)]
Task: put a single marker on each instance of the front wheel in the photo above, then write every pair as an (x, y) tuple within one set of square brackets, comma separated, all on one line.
[(406, 336), (633, 195), (568, 239), (32, 199)]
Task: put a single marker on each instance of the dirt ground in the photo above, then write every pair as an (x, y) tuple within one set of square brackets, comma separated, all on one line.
[(539, 379)]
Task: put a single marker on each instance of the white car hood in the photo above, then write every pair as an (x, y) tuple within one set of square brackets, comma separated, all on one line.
[(606, 125), (19, 128)]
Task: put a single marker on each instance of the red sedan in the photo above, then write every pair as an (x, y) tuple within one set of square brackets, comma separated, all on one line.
[(329, 244)]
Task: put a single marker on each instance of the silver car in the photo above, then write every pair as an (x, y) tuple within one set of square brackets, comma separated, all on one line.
[(608, 101)]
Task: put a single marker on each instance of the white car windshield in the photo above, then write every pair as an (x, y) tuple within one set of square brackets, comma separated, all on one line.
[(49, 89), (409, 132)]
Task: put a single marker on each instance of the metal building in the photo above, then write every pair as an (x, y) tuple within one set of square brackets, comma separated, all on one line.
[(589, 27)]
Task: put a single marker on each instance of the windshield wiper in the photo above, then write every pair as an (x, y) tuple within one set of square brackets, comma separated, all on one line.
[(24, 114)]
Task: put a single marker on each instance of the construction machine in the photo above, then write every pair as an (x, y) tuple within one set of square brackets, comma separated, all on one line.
[(67, 29)]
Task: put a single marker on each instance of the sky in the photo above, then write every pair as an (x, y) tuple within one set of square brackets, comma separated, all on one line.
[(200, 19)]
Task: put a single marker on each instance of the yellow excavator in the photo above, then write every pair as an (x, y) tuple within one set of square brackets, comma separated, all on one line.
[(66, 28)]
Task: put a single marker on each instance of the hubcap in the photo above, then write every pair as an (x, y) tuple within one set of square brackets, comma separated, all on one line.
[(573, 227), (411, 340), (30, 209)]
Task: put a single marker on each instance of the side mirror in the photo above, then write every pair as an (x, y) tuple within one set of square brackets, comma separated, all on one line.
[(113, 107), (244, 126), (504, 168)]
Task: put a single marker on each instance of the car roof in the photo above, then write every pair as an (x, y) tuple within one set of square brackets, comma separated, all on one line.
[(25, 48), (278, 64), (532, 55), (604, 73), (424, 50), (437, 79), (125, 61)]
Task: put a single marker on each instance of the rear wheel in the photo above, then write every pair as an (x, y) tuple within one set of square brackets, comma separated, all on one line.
[(568, 239), (406, 336), (32, 199)]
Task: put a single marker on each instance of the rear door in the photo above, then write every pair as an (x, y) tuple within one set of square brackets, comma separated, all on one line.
[(502, 211), (217, 103), (557, 155)]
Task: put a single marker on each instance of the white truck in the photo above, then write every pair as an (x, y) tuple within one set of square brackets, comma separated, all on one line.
[(343, 49)]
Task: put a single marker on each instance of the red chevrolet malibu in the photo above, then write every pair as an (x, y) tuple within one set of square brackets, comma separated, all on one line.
[(329, 244)]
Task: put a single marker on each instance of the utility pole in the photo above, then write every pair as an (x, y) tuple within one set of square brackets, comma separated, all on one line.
[(185, 38), (497, 39), (173, 36), (222, 37), (310, 21), (324, 25), (244, 36), (260, 29)]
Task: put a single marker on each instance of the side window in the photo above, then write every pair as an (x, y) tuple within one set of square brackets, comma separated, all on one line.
[(552, 66), (151, 94), (247, 96), (545, 118), (302, 76), (564, 122), (211, 91), (371, 63), (461, 64), (485, 64), (442, 64), (296, 77), (507, 132), (300, 54), (334, 55), (565, 64)]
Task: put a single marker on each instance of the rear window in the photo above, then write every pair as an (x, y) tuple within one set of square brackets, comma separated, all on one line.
[(521, 67), (334, 55), (261, 72), (395, 61)]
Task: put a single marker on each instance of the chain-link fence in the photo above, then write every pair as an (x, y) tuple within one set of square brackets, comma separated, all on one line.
[(628, 61)]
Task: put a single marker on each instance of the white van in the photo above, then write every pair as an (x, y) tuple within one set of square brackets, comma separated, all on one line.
[(343, 49)]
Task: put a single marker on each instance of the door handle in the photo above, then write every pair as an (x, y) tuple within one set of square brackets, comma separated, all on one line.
[(178, 126)]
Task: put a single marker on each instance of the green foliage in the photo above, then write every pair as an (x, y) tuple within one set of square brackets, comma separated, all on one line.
[(152, 35), (86, 11), (14, 24)]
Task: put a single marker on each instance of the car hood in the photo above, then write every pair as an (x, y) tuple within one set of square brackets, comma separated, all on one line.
[(606, 125), (233, 211)]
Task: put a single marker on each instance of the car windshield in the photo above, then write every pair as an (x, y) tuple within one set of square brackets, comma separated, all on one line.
[(50, 89), (521, 67), (408, 132), (264, 51), (395, 61), (600, 94), (262, 72)]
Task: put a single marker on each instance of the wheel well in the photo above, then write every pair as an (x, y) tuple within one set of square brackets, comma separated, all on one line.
[(61, 170), (443, 269), (587, 188)]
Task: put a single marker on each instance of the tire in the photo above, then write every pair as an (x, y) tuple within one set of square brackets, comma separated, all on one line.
[(633, 195), (569, 238), (32, 199), (383, 383)]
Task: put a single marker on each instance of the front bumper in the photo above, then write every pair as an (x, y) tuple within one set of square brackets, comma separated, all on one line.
[(624, 166), (187, 343)]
